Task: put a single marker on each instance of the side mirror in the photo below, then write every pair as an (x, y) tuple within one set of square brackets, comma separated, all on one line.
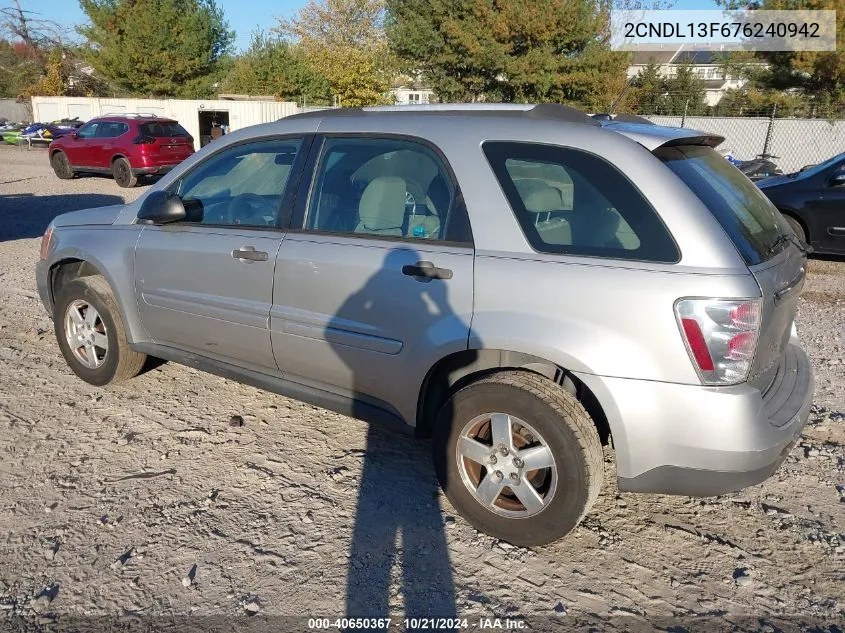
[(161, 207), (74, 135), (838, 179)]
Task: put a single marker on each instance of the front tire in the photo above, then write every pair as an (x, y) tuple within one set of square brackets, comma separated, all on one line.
[(61, 166), (122, 172), (91, 335), (518, 457)]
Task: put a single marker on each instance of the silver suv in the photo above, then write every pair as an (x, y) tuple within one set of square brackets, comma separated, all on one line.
[(523, 284)]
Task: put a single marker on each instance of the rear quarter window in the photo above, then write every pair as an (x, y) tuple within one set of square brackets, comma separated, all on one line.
[(568, 201)]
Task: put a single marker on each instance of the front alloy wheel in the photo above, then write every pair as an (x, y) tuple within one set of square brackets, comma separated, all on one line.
[(85, 333)]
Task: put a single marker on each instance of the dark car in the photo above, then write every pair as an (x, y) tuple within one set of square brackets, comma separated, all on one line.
[(813, 203), (126, 146)]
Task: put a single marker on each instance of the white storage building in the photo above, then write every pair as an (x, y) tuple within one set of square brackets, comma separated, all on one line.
[(196, 116)]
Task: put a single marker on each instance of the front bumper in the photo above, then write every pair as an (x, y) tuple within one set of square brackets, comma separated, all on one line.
[(42, 281), (703, 441)]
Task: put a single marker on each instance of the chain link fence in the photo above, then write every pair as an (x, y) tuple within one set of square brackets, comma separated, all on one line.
[(790, 140)]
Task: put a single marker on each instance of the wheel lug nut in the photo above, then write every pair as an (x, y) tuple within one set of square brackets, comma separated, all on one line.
[(514, 478), (498, 476), (503, 449), (493, 459), (518, 462)]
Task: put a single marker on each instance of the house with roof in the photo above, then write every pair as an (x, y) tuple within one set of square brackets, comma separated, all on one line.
[(706, 64)]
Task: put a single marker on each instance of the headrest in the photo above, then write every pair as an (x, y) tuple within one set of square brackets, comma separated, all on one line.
[(538, 197)]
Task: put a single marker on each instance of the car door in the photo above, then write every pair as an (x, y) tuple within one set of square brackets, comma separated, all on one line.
[(103, 145), (375, 279), (205, 284), (831, 211), (78, 148)]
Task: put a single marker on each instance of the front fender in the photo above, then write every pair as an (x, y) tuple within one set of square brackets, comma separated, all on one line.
[(111, 251)]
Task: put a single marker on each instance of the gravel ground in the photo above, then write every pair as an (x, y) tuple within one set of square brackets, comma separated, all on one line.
[(148, 499)]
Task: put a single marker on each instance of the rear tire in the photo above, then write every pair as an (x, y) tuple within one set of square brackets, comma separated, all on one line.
[(61, 166), (122, 172), (561, 435), (108, 359), (796, 227)]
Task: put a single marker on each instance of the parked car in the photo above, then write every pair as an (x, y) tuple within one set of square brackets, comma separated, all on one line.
[(813, 202), (126, 146), (522, 283)]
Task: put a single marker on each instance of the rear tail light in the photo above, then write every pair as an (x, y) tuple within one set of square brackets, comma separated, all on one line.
[(721, 337), (45, 242), (144, 140)]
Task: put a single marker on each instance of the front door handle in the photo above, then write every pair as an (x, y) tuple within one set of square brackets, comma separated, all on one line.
[(249, 254), (426, 270)]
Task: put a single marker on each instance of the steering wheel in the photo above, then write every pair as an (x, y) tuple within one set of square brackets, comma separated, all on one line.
[(242, 209)]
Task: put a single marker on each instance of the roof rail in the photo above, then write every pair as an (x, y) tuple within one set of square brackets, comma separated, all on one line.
[(133, 115), (547, 111)]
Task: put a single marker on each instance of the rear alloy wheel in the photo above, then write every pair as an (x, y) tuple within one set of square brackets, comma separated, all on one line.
[(61, 166), (796, 227), (518, 457), (122, 172)]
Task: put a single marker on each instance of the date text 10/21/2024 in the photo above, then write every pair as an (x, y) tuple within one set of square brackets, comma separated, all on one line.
[(422, 623)]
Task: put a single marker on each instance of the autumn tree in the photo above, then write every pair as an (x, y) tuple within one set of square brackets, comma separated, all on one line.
[(520, 50), (157, 47), (819, 75), (345, 40)]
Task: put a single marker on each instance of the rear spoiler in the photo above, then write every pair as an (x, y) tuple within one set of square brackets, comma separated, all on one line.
[(653, 136)]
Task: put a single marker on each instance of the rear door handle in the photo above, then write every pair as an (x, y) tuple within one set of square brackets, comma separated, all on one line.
[(249, 254), (426, 270)]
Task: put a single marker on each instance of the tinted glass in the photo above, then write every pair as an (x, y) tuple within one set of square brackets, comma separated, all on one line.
[(88, 130), (745, 213), (160, 129), (385, 187), (568, 201), (111, 129), (243, 185)]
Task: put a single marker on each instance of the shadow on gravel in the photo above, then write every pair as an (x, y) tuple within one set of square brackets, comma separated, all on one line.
[(26, 215), (398, 522)]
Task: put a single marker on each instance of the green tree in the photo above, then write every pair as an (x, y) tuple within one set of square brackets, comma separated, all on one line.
[(649, 88), (345, 40), (519, 50), (684, 92), (273, 66), (820, 75), (156, 47)]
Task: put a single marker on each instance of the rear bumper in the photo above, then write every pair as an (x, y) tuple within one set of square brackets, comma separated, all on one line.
[(703, 441), (153, 170)]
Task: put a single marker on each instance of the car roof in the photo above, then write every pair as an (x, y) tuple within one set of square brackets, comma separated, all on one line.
[(140, 118), (647, 134)]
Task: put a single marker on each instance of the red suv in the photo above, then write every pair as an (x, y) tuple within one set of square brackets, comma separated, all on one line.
[(126, 146)]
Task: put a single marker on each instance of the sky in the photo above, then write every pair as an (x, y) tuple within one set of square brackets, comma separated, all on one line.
[(244, 16)]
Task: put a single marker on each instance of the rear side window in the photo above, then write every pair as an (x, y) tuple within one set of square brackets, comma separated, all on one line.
[(748, 217), (159, 129), (568, 201)]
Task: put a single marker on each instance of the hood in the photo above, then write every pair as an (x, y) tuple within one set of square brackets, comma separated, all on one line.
[(100, 215), (771, 181)]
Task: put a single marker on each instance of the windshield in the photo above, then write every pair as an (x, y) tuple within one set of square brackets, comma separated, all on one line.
[(816, 169), (745, 213)]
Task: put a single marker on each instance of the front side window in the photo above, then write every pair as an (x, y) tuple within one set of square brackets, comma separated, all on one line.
[(242, 185), (569, 201), (88, 130), (387, 188)]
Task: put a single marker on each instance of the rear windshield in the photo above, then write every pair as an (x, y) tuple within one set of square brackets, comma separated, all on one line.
[(163, 128), (745, 213)]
